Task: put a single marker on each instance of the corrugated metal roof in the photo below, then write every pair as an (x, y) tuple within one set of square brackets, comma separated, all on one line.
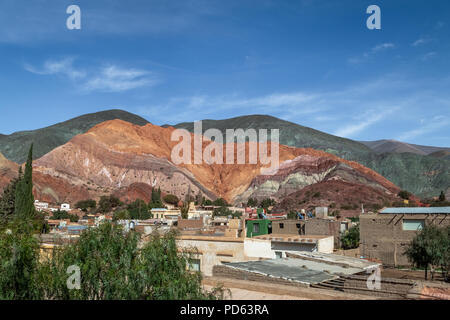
[(417, 210)]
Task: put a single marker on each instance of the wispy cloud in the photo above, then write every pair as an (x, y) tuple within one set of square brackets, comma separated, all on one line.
[(364, 121), (115, 79), (61, 67), (431, 125), (429, 56), (366, 55), (109, 78), (420, 42)]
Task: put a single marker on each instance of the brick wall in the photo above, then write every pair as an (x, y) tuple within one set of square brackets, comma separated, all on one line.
[(383, 238), (190, 224)]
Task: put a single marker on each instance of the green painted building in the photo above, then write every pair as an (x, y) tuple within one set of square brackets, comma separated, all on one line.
[(258, 227)]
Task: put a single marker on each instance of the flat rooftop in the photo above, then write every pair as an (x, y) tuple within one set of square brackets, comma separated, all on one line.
[(336, 259), (289, 269), (305, 270), (417, 210), (291, 238)]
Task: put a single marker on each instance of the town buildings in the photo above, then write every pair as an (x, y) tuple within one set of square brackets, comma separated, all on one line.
[(385, 235)]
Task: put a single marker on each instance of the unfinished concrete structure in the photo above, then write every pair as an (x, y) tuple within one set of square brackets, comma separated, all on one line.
[(385, 236), (314, 226)]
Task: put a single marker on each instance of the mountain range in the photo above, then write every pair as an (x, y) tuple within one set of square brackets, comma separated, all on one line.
[(423, 175), (383, 146), (118, 152)]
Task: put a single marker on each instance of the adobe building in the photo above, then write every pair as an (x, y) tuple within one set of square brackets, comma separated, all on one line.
[(385, 236), (313, 226)]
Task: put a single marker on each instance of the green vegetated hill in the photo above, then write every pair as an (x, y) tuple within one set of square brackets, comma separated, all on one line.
[(15, 146), (291, 134), (421, 174)]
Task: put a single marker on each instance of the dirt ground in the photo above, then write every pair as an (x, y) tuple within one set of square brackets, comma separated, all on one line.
[(410, 274), (251, 290)]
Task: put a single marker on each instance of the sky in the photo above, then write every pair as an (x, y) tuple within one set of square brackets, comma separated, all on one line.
[(312, 62)]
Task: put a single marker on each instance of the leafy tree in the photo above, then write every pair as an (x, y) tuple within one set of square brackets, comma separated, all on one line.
[(84, 205), (171, 199), (156, 199), (429, 249), (220, 202), (252, 202), (19, 254), (114, 267), (266, 203), (350, 240), (225, 212), (292, 215), (404, 194), (107, 203), (121, 215), (138, 210), (24, 202), (207, 202), (61, 214)]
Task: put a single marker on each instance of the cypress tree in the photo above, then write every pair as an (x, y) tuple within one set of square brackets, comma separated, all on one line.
[(24, 203)]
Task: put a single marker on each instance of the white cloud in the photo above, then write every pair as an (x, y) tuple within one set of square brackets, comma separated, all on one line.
[(433, 124), (106, 79), (420, 41), (53, 67), (429, 56), (383, 46), (366, 55), (115, 79), (364, 121)]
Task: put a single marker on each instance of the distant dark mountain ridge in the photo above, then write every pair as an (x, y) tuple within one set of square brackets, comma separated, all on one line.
[(14, 146), (381, 146)]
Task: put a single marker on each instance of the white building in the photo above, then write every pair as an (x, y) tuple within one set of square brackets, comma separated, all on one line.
[(40, 205), (65, 207)]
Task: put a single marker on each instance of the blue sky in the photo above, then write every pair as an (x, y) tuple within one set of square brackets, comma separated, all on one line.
[(312, 62)]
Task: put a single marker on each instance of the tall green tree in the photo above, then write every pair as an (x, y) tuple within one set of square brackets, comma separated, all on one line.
[(8, 200), (24, 202)]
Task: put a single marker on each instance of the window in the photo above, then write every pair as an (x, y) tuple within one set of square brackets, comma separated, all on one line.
[(194, 265), (278, 254), (256, 228), (281, 225), (413, 225)]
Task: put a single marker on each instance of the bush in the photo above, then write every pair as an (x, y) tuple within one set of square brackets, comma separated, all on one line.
[(350, 240), (171, 199), (61, 214), (84, 205)]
